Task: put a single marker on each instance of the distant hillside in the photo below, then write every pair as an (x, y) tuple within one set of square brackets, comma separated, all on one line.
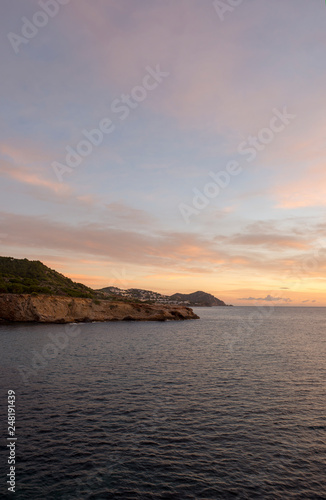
[(192, 299), (26, 276), (135, 294), (23, 276), (198, 299)]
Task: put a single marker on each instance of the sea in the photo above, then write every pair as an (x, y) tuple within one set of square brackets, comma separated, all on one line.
[(231, 406)]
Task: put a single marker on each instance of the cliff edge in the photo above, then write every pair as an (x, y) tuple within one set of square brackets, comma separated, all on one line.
[(58, 309)]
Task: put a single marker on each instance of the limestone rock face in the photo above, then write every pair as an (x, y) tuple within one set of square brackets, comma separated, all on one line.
[(57, 309)]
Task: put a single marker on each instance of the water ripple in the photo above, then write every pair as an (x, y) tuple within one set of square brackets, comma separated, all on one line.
[(175, 410)]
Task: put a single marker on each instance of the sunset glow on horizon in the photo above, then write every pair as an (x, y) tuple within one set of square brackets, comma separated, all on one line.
[(168, 145)]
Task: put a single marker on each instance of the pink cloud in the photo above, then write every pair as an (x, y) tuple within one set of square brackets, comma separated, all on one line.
[(26, 165), (160, 249)]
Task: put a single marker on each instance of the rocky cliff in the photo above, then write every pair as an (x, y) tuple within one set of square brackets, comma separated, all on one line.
[(57, 309)]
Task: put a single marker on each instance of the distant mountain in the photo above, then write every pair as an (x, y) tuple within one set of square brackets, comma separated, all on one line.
[(31, 276), (198, 299), (191, 299)]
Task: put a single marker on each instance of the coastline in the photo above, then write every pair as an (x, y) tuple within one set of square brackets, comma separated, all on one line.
[(61, 309)]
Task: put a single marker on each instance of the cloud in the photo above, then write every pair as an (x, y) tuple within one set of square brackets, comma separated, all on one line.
[(271, 241), (29, 168), (161, 249), (26, 166), (275, 235), (268, 298), (143, 242), (125, 213), (25, 176)]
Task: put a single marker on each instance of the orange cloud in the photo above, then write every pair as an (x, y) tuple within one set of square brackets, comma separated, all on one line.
[(271, 241)]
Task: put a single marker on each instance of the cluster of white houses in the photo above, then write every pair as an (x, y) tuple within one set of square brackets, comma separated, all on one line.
[(145, 295)]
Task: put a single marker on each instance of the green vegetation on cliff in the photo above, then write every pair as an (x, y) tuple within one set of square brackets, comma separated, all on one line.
[(26, 276)]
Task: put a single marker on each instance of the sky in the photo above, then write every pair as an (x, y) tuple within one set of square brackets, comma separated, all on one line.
[(170, 145)]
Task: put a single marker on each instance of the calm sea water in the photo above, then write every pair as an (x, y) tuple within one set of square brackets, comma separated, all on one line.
[(232, 406)]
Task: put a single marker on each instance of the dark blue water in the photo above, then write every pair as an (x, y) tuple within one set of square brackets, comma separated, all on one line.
[(232, 406)]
